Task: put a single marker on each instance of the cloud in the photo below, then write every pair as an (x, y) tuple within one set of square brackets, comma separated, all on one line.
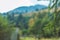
[(6, 5)]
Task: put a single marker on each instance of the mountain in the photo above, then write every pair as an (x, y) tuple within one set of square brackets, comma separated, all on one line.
[(27, 9)]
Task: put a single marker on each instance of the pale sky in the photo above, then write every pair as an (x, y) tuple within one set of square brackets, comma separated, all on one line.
[(7, 5)]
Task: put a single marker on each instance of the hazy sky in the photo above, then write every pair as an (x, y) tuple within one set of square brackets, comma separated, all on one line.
[(6, 5)]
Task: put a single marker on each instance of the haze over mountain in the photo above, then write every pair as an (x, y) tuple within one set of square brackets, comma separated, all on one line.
[(25, 9), (7, 5)]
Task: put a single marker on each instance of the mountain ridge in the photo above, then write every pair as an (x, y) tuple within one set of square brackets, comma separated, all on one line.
[(25, 9)]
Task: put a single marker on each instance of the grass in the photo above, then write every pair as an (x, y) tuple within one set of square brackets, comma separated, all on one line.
[(32, 38)]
